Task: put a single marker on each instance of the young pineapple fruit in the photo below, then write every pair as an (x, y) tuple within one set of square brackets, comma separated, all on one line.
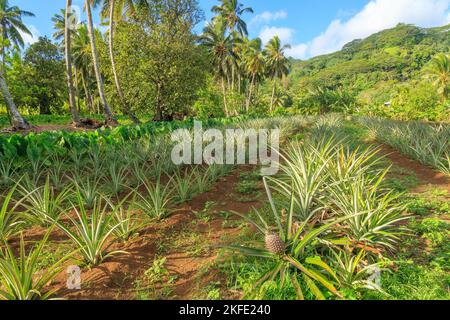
[(274, 244)]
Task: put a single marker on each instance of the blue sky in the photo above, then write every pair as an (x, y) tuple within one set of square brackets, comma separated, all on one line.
[(311, 27)]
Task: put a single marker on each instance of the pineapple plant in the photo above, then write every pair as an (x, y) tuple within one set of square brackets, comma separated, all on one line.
[(292, 247)]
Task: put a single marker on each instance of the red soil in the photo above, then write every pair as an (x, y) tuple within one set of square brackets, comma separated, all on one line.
[(115, 278), (428, 177)]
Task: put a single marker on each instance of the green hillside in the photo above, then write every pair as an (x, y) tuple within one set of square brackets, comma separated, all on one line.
[(376, 69)]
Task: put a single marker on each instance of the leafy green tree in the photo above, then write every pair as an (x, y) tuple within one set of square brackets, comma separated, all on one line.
[(44, 76), (115, 10), (11, 26), (157, 58)]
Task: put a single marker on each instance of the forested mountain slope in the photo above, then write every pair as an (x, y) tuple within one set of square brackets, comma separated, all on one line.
[(397, 54)]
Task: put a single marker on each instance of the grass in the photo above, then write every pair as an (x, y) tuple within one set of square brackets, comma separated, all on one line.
[(156, 283)]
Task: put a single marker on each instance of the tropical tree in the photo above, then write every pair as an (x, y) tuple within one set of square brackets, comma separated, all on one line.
[(115, 11), (43, 77), (96, 63), (59, 24), (277, 63), (158, 61), (439, 73), (231, 11), (255, 66), (68, 55), (220, 48), (11, 27), (82, 60)]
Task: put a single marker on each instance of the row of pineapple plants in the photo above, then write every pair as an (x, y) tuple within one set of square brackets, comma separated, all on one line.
[(330, 222), (96, 199), (427, 143)]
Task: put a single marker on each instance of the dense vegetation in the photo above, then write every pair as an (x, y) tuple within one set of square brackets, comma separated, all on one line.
[(393, 73), (400, 73)]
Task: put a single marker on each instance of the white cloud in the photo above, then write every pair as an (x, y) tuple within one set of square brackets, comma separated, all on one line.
[(298, 51), (285, 34), (268, 16), (34, 37), (377, 15)]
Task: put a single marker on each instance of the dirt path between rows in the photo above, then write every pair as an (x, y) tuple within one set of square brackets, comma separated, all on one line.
[(187, 242), (427, 176)]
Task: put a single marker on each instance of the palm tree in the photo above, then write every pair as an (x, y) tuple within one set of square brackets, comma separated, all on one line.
[(439, 72), (95, 60), (255, 66), (11, 26), (59, 24), (231, 11), (82, 60), (277, 63), (115, 10), (68, 55), (220, 48)]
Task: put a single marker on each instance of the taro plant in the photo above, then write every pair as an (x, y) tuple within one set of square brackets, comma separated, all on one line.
[(91, 231), (293, 246), (157, 199), (20, 275), (44, 204)]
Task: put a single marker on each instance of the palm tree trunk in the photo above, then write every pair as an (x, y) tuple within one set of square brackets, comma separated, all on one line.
[(77, 91), (101, 89), (88, 98), (273, 95), (250, 93), (15, 118), (224, 92), (239, 81), (125, 106), (72, 102)]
